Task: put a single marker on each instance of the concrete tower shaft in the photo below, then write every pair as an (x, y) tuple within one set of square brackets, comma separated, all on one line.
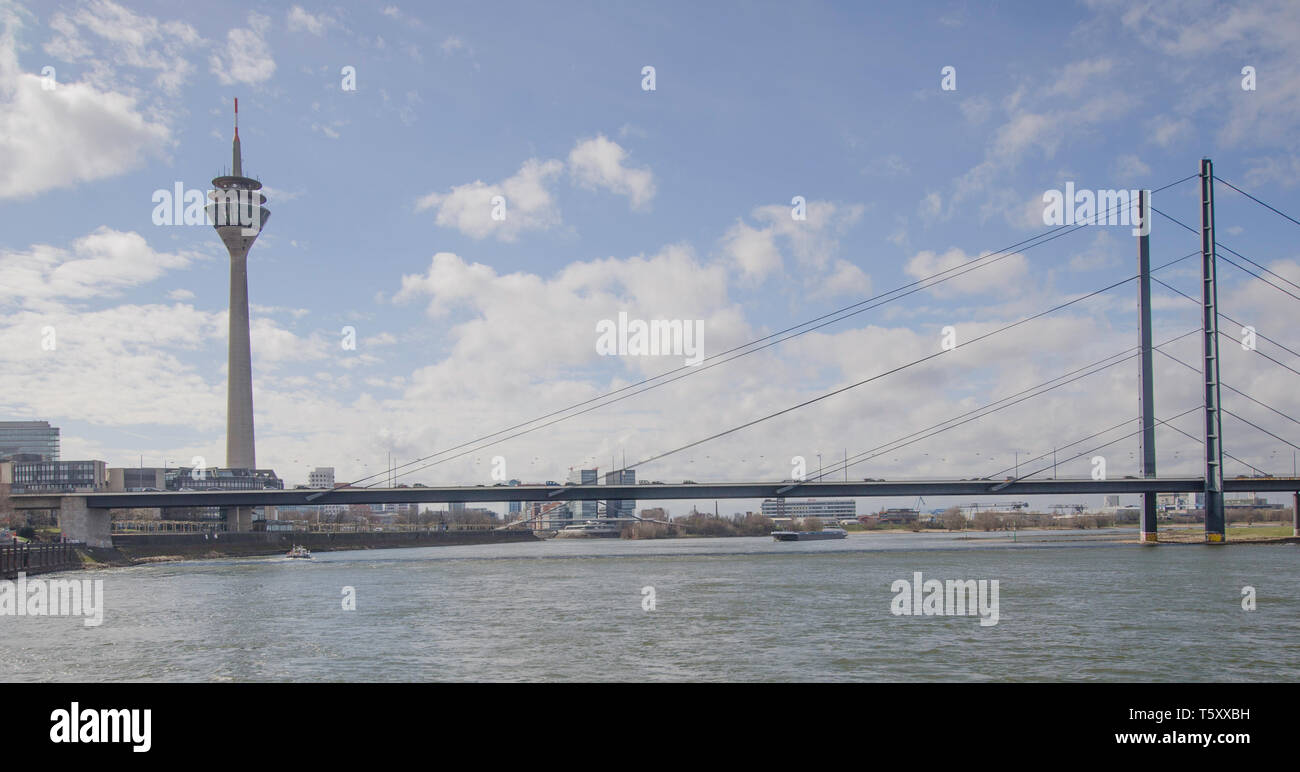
[(237, 214)]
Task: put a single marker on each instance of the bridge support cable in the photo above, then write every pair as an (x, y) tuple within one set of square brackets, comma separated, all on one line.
[(1222, 315), (773, 339), (1257, 201), (1243, 269), (1097, 448), (1227, 386), (1201, 441), (986, 410), (884, 374), (770, 340), (694, 370), (1161, 422), (1232, 251)]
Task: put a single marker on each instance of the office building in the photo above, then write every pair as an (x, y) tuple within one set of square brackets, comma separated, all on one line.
[(825, 509), (620, 507), (134, 479), (28, 441), (584, 510), (188, 478), (59, 476)]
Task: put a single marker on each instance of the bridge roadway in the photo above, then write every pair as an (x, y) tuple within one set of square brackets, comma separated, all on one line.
[(653, 492), (85, 517)]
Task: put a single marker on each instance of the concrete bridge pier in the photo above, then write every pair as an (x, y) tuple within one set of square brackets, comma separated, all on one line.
[(1295, 515), (79, 522), (238, 518)]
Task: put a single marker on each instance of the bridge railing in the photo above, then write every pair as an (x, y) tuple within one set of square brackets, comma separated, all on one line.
[(31, 558), (192, 526)]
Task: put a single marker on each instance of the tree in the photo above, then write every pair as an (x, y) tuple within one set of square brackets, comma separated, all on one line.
[(8, 517), (987, 521), (953, 519)]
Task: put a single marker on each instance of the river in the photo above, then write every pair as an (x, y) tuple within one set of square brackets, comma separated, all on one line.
[(1073, 606)]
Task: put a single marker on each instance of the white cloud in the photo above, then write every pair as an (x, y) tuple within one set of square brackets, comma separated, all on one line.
[(845, 278), (753, 250), (451, 45), (598, 163), (1129, 168), (976, 110), (127, 39), (756, 251), (98, 264), (247, 56), (496, 314), (72, 134), (1006, 276), (1075, 79), (528, 200), (299, 20)]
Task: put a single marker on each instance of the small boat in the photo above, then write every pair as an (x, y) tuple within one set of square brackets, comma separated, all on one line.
[(300, 552), (825, 533)]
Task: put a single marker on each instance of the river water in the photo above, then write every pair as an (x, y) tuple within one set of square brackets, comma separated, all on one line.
[(1071, 606)]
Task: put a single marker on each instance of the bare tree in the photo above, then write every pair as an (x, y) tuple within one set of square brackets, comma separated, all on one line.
[(987, 521), (953, 519)]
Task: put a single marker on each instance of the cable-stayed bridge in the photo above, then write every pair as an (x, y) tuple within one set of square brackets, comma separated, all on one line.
[(85, 515)]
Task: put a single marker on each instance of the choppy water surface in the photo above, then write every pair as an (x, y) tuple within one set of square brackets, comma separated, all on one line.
[(1071, 607)]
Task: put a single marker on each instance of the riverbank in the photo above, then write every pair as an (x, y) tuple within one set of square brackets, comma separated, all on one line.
[(133, 549)]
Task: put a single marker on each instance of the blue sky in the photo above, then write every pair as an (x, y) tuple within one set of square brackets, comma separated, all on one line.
[(668, 204)]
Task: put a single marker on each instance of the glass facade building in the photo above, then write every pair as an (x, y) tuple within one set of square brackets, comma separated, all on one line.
[(59, 476), (28, 441), (584, 510), (620, 507)]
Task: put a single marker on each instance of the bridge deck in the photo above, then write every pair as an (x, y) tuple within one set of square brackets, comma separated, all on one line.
[(654, 492)]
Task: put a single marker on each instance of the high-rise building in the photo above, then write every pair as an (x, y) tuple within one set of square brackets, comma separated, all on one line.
[(28, 441), (620, 507), (238, 216), (321, 477), (584, 510)]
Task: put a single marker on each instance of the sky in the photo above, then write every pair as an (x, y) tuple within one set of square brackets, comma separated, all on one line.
[(384, 133)]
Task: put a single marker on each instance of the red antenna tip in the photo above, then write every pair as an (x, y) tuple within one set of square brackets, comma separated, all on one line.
[(236, 117)]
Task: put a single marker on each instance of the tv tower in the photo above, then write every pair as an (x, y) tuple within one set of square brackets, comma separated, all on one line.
[(238, 215)]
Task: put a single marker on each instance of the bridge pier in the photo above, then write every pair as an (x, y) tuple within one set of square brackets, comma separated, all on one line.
[(1295, 515), (238, 518), (79, 522)]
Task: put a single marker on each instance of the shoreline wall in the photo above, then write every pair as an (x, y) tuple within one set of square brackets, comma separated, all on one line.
[(195, 546)]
